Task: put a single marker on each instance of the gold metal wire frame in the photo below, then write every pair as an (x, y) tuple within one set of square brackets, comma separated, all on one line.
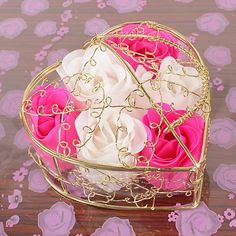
[(148, 197)]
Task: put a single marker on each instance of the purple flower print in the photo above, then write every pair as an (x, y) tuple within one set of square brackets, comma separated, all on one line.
[(3, 1), (232, 223), (21, 140), (213, 23), (10, 103), (15, 199), (9, 59), (13, 220), (184, 1), (12, 27), (58, 220), (115, 227), (67, 3), (66, 15), (95, 25), (225, 177), (217, 81), (228, 5), (40, 55), (218, 55), (2, 232), (20, 174), (231, 196), (221, 218), (172, 216), (63, 30), (45, 28), (59, 54), (200, 221), (229, 214), (223, 132), (82, 1), (37, 182), (126, 6), (2, 131), (34, 7), (231, 100)]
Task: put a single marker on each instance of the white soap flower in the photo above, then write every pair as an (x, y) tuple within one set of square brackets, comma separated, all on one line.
[(177, 85), (114, 139), (94, 74)]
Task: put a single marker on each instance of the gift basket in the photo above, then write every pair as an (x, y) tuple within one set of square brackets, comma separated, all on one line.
[(123, 122)]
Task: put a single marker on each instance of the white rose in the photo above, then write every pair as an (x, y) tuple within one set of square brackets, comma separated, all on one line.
[(111, 134), (176, 84), (95, 73), (110, 138)]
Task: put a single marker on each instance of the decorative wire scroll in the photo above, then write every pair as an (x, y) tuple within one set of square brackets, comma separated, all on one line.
[(129, 187)]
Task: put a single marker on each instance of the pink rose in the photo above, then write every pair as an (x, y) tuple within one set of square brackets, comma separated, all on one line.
[(225, 177), (58, 220), (213, 23), (167, 151), (144, 46), (21, 140), (45, 28), (126, 6), (53, 120), (231, 100), (223, 132), (200, 221), (115, 227), (228, 5), (34, 7), (9, 59), (184, 1), (56, 55), (95, 25), (10, 103), (12, 27), (218, 56)]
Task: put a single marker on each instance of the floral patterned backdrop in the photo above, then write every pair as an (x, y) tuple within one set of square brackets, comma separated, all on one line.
[(36, 33)]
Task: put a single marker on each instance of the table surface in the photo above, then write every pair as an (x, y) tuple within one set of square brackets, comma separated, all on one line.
[(68, 24)]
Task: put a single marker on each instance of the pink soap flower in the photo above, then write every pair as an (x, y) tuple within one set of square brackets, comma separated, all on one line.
[(53, 125), (167, 152), (153, 50)]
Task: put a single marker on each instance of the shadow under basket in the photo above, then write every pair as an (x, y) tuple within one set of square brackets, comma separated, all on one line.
[(137, 187)]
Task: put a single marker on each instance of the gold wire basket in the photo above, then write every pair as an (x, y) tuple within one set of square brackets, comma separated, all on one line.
[(163, 77)]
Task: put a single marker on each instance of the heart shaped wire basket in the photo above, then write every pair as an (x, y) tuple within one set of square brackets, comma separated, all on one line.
[(162, 83)]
